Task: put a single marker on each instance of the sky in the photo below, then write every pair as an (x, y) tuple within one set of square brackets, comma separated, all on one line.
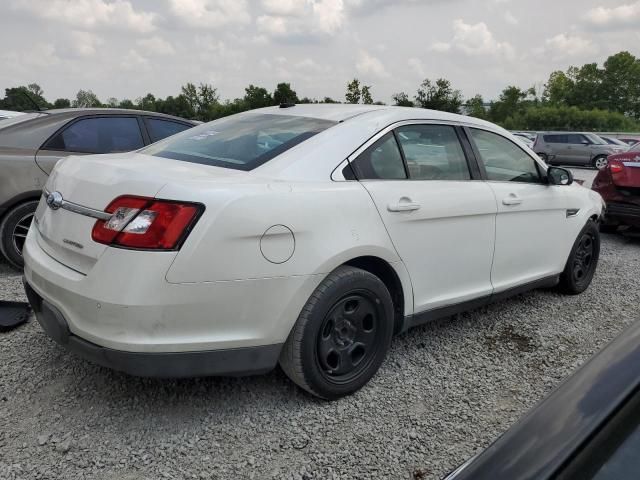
[(127, 48)]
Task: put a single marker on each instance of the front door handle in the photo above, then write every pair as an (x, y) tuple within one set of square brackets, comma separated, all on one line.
[(405, 204), (512, 199)]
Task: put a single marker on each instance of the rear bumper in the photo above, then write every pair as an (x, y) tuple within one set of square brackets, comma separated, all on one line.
[(232, 362), (623, 213)]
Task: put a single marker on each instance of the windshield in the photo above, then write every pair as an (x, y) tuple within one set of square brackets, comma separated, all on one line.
[(242, 142), (635, 147), (596, 140)]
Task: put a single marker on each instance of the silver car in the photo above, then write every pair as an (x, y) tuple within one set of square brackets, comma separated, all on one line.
[(569, 148), (31, 144)]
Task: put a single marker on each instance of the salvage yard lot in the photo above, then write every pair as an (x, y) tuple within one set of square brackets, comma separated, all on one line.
[(446, 390)]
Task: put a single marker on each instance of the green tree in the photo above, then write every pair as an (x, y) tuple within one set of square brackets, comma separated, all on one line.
[(23, 98), (365, 92), (439, 95), (257, 97), (284, 94), (148, 102), (126, 103), (353, 94), (190, 94), (621, 84), (402, 100), (475, 107), (512, 100), (207, 97), (86, 99), (112, 102), (62, 103), (329, 100), (559, 88)]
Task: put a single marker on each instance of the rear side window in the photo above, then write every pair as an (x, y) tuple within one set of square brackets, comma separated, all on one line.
[(503, 160), (555, 138), (241, 142), (99, 135), (159, 129), (381, 161), (433, 152)]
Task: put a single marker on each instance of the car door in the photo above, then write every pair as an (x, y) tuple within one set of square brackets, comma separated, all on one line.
[(439, 214), (91, 135), (559, 148), (531, 223), (578, 149)]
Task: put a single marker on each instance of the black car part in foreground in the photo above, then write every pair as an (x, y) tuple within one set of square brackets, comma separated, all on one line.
[(588, 428)]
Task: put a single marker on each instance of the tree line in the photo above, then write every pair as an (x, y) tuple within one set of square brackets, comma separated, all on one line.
[(590, 97)]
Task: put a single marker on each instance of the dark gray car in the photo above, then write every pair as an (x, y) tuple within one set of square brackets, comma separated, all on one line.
[(31, 144), (573, 148)]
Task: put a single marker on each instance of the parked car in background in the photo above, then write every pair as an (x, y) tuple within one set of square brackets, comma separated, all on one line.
[(614, 141), (629, 140), (619, 186), (567, 148), (586, 429), (529, 136), (525, 140), (31, 144), (9, 114), (307, 235)]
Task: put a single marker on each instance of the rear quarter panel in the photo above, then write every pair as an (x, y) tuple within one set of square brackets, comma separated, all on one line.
[(19, 175)]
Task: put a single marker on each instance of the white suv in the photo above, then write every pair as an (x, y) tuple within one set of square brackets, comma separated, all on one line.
[(305, 235)]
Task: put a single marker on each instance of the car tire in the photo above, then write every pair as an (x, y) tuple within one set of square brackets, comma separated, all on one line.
[(341, 336), (583, 260), (13, 231), (600, 162)]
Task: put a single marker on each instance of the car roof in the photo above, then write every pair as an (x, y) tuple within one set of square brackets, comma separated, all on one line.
[(109, 111), (340, 112)]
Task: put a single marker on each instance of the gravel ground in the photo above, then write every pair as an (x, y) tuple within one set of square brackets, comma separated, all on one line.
[(446, 390)]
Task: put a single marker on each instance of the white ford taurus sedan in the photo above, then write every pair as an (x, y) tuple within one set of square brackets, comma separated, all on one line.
[(305, 236)]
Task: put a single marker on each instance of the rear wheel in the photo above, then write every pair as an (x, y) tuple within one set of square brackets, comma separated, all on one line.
[(582, 262), (13, 232), (341, 336), (600, 162)]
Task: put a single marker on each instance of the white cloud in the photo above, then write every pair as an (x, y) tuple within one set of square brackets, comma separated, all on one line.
[(476, 39), (308, 65), (211, 13), (440, 47), (88, 14), (626, 15), (329, 14), (417, 66), (156, 46), (510, 18), (284, 7), (84, 44), (309, 18), (133, 61), (567, 46), (370, 65)]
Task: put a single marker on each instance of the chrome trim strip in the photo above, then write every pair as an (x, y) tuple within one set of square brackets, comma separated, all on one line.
[(572, 212), (80, 209), (631, 164)]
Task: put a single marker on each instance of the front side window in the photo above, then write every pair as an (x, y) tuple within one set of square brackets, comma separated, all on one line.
[(433, 152), (99, 135), (159, 128), (503, 160), (241, 142), (555, 138), (576, 138), (381, 161)]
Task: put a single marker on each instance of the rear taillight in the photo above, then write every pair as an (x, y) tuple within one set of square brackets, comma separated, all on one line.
[(616, 166), (146, 223)]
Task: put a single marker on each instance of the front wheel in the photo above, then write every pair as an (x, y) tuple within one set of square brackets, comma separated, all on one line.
[(582, 262), (341, 336)]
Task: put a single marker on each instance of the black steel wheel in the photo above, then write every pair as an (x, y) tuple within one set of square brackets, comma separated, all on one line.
[(342, 334), (13, 232), (582, 262)]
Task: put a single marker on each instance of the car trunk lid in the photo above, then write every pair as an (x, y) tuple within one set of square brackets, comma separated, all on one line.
[(88, 185)]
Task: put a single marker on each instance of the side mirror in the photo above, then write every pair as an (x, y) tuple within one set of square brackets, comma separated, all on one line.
[(559, 176)]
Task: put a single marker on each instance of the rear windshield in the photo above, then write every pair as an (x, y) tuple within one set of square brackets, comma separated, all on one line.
[(596, 140), (242, 142), (635, 147)]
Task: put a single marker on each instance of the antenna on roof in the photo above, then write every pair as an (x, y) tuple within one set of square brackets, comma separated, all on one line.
[(31, 100)]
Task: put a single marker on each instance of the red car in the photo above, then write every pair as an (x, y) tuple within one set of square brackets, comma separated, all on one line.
[(619, 185)]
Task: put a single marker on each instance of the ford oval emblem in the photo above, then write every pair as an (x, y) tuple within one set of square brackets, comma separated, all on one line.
[(54, 200)]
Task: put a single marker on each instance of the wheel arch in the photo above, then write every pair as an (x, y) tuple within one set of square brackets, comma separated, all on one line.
[(17, 200), (386, 272)]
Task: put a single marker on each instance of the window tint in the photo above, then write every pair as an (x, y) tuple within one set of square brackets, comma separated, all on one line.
[(159, 129), (241, 142), (99, 135), (576, 138), (382, 160), (555, 138), (503, 160), (433, 152)]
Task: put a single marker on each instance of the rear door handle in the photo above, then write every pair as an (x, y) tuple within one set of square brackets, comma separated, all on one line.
[(404, 205), (512, 199)]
